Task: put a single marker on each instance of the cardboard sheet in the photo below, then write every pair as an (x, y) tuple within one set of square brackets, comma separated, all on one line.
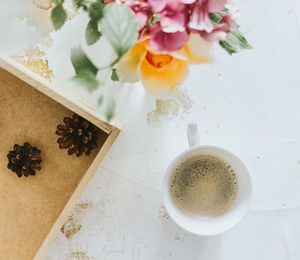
[(29, 206)]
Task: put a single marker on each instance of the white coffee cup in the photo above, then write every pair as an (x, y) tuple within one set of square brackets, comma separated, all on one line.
[(209, 225)]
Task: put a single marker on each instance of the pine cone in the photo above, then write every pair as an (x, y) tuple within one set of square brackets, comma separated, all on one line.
[(77, 135), (24, 160)]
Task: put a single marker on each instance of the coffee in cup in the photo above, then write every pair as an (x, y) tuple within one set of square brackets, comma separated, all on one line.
[(203, 185)]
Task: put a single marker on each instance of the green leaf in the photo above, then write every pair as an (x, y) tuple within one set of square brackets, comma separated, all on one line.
[(96, 11), (57, 2), (216, 18), (100, 101), (114, 75), (244, 44), (80, 3), (81, 62), (120, 27), (87, 79), (107, 106), (92, 33), (225, 11), (228, 47), (154, 19), (58, 16), (85, 70), (110, 111), (235, 42)]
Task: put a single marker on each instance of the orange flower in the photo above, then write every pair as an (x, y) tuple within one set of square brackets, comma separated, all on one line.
[(162, 72)]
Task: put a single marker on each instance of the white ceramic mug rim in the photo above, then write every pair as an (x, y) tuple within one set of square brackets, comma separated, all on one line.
[(166, 192)]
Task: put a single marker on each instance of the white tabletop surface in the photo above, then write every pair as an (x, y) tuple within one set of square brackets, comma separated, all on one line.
[(247, 103)]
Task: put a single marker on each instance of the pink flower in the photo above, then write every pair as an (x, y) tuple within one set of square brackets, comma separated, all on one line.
[(200, 14), (171, 33), (167, 42), (188, 1), (177, 18), (174, 17), (158, 5), (141, 9), (220, 31), (173, 14)]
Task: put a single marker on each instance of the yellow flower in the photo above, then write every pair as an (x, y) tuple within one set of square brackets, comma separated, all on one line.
[(162, 72)]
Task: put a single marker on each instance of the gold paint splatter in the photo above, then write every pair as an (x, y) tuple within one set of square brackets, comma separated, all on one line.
[(78, 255), (83, 205), (175, 105), (34, 59), (71, 227), (43, 4)]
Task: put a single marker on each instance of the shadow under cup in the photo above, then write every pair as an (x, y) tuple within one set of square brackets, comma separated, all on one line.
[(216, 224)]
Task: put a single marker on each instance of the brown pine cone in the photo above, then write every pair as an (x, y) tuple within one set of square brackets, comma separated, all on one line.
[(24, 160), (77, 135)]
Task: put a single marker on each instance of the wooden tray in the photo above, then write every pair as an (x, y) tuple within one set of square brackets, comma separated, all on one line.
[(33, 209)]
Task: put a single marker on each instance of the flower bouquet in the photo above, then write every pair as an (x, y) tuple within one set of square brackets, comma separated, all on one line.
[(154, 41)]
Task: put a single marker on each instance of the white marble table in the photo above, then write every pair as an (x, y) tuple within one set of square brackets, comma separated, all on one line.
[(247, 103)]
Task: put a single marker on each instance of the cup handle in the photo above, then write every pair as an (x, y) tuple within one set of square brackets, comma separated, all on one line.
[(193, 135)]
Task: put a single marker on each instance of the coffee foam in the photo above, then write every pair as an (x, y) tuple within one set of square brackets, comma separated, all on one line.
[(204, 185)]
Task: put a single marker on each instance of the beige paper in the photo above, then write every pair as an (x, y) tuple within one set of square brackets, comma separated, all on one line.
[(30, 206)]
